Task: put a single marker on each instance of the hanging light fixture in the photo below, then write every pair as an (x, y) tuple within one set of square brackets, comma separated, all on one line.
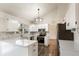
[(38, 19)]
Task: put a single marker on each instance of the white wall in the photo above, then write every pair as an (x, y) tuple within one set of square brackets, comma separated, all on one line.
[(50, 20)]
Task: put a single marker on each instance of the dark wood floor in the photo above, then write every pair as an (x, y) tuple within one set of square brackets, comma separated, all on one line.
[(51, 50)]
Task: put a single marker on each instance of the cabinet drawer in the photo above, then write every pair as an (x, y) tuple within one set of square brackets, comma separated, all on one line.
[(35, 53), (35, 45)]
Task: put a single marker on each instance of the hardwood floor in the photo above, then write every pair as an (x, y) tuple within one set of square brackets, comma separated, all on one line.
[(51, 50), (42, 50)]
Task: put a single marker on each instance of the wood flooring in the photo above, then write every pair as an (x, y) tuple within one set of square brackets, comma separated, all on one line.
[(51, 50)]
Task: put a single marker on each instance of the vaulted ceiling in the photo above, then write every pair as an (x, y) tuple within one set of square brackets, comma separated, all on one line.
[(28, 11)]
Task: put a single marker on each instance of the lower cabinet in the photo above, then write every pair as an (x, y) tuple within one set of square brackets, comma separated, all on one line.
[(33, 50), (17, 50)]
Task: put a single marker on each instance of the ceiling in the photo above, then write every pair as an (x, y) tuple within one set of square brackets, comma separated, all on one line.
[(28, 10)]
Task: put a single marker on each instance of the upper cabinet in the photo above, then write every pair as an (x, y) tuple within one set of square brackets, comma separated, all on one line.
[(3, 25), (13, 25), (35, 27), (32, 27), (3, 22), (8, 23), (70, 18), (43, 26)]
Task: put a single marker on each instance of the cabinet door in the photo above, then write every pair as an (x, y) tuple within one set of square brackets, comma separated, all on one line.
[(33, 50), (33, 27), (3, 25), (43, 26), (70, 17), (13, 25)]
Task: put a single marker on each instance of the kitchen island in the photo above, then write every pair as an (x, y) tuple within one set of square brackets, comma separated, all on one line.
[(20, 47)]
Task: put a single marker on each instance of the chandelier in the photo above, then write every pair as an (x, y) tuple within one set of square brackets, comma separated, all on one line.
[(38, 19)]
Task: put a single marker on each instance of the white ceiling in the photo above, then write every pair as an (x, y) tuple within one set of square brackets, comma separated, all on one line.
[(28, 10)]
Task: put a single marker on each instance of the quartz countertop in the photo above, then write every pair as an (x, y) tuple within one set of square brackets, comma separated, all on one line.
[(19, 42), (15, 47), (25, 42)]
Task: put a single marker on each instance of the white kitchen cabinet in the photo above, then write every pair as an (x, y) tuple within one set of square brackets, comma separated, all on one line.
[(33, 49), (43, 26), (13, 25), (8, 23), (19, 47), (35, 27), (3, 25), (70, 17), (76, 33)]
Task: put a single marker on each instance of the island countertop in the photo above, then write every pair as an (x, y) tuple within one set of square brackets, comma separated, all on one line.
[(20, 47), (25, 42), (19, 42)]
